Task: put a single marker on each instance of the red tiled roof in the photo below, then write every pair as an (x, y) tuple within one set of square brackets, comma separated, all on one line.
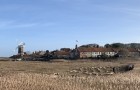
[(92, 49), (95, 49), (132, 50), (83, 49), (116, 49), (103, 49)]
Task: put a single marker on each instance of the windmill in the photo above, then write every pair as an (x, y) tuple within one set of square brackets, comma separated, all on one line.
[(20, 48)]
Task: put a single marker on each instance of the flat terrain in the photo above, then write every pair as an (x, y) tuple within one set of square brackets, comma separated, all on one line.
[(62, 75), (58, 66)]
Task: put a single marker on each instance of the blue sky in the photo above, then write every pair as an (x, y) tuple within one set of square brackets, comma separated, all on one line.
[(52, 24)]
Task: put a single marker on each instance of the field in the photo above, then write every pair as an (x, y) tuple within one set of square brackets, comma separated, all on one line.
[(64, 75)]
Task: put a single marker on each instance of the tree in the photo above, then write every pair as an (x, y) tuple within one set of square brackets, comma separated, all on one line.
[(107, 45), (117, 45)]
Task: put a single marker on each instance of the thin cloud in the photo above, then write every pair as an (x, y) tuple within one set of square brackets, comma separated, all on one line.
[(131, 11), (24, 25), (5, 23), (121, 9), (14, 24)]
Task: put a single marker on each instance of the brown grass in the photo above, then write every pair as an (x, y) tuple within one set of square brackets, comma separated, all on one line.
[(40, 76), (28, 81)]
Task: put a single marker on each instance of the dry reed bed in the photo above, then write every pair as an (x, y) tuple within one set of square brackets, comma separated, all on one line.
[(31, 81)]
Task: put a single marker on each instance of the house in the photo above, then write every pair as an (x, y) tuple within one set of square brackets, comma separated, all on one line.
[(65, 49), (95, 52), (62, 54), (133, 52), (85, 52), (103, 51), (127, 52)]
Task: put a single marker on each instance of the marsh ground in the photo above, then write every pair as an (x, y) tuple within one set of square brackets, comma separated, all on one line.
[(56, 75)]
